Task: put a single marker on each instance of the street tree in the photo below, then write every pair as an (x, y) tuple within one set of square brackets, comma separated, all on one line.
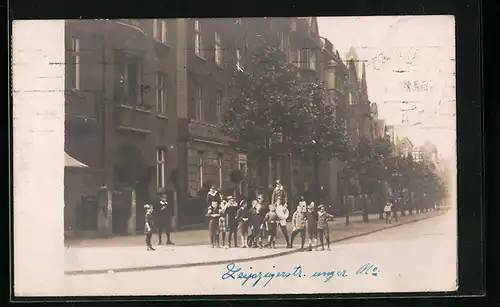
[(270, 112)]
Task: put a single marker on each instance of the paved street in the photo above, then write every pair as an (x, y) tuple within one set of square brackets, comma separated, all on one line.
[(418, 256), (100, 259)]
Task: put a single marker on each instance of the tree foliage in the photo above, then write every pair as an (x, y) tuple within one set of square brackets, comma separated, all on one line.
[(270, 111), (375, 162)]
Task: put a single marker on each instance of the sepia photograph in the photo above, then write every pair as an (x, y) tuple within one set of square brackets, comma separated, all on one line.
[(237, 156)]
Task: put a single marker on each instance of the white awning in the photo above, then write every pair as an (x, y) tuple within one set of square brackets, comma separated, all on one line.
[(69, 161)]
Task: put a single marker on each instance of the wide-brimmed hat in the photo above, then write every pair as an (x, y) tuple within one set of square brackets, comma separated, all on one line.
[(229, 197), (148, 206)]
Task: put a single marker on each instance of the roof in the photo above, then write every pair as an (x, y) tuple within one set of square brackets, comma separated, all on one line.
[(69, 161)]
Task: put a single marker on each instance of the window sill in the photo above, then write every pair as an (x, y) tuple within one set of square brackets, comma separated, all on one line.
[(159, 42), (135, 108), (162, 116), (202, 122), (200, 57)]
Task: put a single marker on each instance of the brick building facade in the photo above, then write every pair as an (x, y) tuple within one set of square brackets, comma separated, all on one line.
[(143, 101)]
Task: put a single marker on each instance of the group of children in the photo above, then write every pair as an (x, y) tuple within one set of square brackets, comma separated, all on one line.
[(227, 219)]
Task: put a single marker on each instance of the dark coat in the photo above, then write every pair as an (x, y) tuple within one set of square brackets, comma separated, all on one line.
[(163, 212), (215, 197)]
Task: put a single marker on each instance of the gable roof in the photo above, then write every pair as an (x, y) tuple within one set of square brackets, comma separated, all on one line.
[(312, 24), (404, 143)]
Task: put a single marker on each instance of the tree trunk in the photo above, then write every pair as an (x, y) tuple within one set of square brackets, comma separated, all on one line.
[(316, 177)]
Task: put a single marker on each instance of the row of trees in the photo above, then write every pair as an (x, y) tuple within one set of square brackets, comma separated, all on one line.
[(378, 165), (271, 112)]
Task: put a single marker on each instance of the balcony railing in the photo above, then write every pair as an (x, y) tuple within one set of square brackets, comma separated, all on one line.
[(80, 105), (133, 119)]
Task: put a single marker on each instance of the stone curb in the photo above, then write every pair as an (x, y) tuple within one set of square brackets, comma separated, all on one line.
[(226, 261)]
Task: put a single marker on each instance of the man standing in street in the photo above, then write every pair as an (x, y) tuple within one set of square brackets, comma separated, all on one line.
[(164, 214)]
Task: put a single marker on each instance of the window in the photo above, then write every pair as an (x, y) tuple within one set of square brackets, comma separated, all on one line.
[(350, 98), (312, 59), (220, 169), (218, 101), (160, 30), (242, 166), (74, 74), (239, 59), (305, 58), (160, 168), (358, 129), (198, 40), (200, 169), (129, 73), (282, 39), (218, 50), (160, 93), (199, 103), (344, 124)]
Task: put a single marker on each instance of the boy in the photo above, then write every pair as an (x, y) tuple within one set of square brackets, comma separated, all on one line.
[(232, 223), (149, 225), (323, 230), (271, 221), (283, 213), (299, 224), (312, 225), (213, 224), (243, 217), (388, 211)]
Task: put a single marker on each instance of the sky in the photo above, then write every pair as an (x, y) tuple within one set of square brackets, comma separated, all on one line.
[(410, 70)]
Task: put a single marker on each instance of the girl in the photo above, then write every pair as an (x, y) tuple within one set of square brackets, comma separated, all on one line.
[(323, 230), (213, 224), (299, 224), (271, 222), (243, 216), (223, 222), (149, 226), (312, 225), (388, 211)]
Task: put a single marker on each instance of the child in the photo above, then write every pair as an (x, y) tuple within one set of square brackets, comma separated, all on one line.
[(231, 221), (323, 231), (271, 222), (257, 221), (223, 222), (243, 216), (299, 224), (213, 224), (253, 220), (149, 226), (312, 226), (283, 213), (388, 211)]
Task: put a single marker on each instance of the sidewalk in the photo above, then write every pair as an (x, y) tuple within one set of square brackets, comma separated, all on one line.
[(180, 238), (102, 260)]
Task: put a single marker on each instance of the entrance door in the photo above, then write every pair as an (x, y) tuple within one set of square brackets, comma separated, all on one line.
[(120, 213)]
